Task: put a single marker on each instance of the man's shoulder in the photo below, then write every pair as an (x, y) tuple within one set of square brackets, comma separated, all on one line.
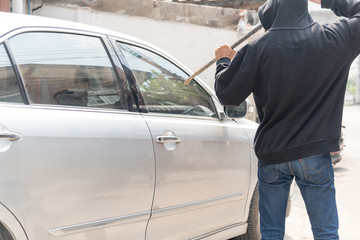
[(258, 42), (260, 38)]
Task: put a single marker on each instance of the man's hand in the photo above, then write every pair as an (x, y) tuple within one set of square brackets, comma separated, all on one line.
[(316, 1), (224, 51)]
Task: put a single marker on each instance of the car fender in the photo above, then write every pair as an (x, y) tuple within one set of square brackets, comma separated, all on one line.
[(250, 128), (11, 223), (253, 181)]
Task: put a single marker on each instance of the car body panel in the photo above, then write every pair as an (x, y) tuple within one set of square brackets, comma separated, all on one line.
[(75, 166), (202, 182)]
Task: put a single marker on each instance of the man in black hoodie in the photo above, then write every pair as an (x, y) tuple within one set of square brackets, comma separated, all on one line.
[(297, 71)]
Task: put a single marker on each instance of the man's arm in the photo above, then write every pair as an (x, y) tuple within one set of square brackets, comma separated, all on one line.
[(224, 51), (348, 28), (234, 77), (344, 8)]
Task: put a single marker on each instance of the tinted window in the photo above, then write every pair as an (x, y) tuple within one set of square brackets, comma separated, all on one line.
[(162, 85), (9, 86), (66, 69)]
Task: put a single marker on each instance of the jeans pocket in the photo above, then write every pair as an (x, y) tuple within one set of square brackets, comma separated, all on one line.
[(317, 168), (269, 174)]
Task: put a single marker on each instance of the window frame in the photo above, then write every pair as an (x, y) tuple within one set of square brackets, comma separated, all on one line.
[(158, 52), (16, 73), (109, 49)]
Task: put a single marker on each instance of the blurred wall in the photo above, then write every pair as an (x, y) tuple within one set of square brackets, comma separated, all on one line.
[(5, 5)]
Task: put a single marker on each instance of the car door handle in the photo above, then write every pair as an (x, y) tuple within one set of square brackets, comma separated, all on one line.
[(10, 136), (168, 139)]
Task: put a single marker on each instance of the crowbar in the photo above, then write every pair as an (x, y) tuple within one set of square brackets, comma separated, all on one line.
[(233, 46)]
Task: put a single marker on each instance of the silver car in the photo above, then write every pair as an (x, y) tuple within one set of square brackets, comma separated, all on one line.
[(100, 139)]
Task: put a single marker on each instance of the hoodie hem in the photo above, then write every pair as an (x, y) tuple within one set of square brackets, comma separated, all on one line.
[(296, 153)]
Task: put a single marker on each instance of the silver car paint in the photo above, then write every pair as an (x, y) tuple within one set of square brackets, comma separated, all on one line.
[(93, 182), (74, 167), (203, 182)]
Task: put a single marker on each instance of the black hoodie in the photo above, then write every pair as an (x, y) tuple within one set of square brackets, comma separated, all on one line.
[(297, 71)]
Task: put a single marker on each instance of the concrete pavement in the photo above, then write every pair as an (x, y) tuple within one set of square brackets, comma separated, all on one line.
[(347, 180)]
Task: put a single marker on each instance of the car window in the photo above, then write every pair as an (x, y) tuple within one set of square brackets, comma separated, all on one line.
[(66, 69), (162, 85), (9, 86)]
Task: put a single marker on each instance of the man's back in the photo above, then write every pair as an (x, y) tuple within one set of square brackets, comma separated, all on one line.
[(297, 71)]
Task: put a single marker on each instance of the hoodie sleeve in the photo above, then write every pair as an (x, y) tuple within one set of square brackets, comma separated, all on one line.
[(350, 27), (234, 80)]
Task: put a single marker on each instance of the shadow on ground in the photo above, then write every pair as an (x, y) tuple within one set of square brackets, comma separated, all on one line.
[(340, 169)]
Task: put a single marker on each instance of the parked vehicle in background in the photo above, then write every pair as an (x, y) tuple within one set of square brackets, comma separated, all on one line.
[(100, 139), (337, 156)]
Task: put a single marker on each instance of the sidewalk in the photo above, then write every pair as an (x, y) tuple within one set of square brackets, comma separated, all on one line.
[(347, 179)]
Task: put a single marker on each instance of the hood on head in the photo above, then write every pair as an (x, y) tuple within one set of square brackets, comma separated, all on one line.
[(285, 14)]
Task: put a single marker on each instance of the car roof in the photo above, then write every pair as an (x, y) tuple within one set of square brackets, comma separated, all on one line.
[(16, 21)]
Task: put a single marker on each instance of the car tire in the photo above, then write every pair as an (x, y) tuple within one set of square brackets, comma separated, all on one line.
[(4, 233), (253, 228)]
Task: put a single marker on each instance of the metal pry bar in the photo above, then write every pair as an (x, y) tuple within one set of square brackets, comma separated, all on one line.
[(233, 46)]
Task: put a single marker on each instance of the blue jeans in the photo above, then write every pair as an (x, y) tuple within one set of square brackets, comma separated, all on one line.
[(315, 178)]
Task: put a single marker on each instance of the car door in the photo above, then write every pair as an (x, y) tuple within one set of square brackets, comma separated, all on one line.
[(202, 162), (75, 162)]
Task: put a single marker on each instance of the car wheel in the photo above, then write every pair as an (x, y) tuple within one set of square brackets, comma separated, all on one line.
[(253, 228), (4, 233)]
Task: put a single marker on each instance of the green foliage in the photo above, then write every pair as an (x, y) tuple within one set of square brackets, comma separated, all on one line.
[(351, 86)]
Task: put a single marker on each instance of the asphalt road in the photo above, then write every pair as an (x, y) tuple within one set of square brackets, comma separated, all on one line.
[(347, 181)]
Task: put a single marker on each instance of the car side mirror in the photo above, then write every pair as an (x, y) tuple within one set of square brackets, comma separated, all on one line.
[(239, 111)]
